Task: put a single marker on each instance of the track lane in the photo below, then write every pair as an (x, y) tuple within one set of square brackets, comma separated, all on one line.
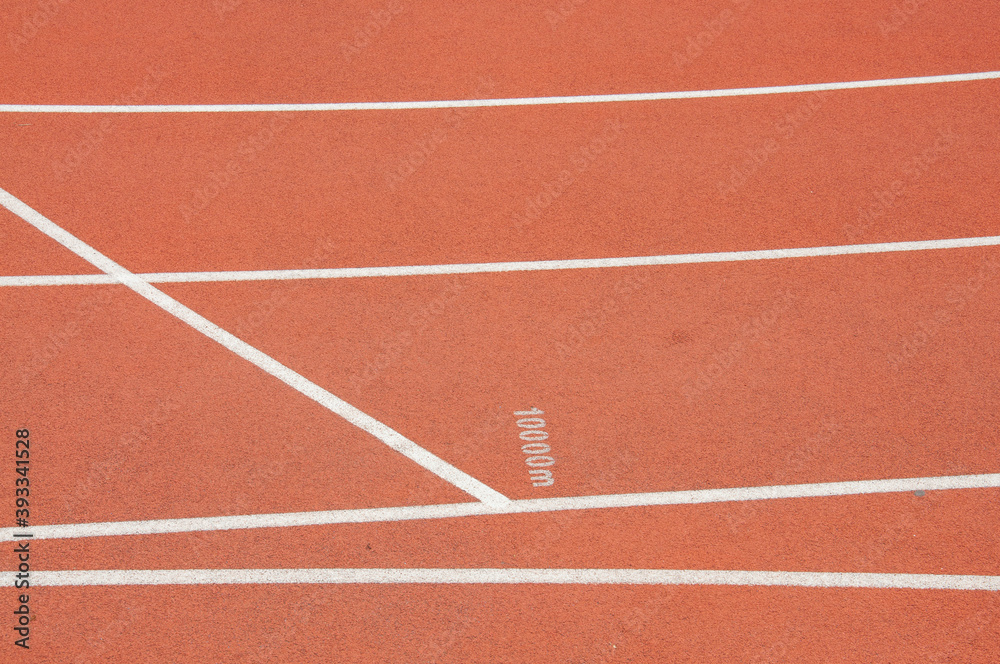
[(886, 533), (750, 374), (489, 624), (305, 190)]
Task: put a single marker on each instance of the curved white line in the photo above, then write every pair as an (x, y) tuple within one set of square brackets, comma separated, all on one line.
[(515, 266), (520, 101)]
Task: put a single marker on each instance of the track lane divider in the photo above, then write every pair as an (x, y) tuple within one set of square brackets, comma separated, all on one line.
[(515, 266), (455, 510), (511, 576), (518, 101)]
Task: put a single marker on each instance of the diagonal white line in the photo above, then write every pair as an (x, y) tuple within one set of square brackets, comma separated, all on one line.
[(520, 101), (516, 266), (511, 576), (454, 510), (294, 380)]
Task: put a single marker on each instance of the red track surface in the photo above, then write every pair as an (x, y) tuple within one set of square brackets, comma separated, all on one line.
[(660, 378)]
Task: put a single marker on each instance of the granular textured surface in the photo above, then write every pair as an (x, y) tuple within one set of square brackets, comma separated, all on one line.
[(567, 331)]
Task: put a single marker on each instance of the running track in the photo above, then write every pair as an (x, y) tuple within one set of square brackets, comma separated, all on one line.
[(277, 279)]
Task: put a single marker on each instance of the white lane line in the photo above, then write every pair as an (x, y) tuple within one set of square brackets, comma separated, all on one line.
[(511, 576), (393, 439), (518, 266), (453, 510), (520, 101), (59, 280)]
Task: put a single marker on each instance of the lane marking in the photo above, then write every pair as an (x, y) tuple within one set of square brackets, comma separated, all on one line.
[(367, 423), (512, 576), (517, 266), (454, 510), (520, 101), (60, 280)]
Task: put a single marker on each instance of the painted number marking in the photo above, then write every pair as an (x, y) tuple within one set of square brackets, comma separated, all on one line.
[(537, 452)]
